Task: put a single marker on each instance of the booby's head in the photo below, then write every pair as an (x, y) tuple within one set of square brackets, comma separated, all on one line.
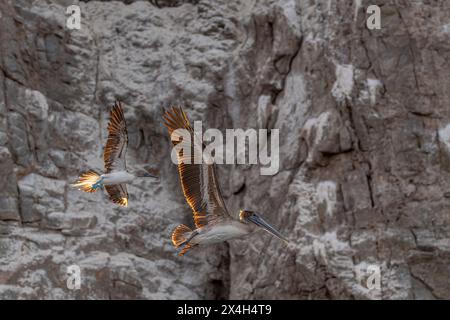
[(256, 220)]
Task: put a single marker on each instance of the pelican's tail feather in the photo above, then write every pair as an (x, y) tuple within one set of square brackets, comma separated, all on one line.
[(180, 235), (87, 181), (185, 249)]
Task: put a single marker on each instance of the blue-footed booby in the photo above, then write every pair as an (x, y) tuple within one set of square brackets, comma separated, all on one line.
[(116, 175)]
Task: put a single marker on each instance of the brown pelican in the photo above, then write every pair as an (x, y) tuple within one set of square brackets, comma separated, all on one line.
[(202, 192), (116, 175)]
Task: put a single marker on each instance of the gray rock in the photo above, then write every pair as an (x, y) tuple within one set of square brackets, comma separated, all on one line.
[(8, 192), (39, 196)]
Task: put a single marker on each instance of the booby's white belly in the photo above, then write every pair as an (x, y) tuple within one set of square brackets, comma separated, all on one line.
[(220, 233), (117, 177)]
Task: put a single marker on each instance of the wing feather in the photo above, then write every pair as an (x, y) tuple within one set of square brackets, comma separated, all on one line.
[(118, 194), (198, 181), (116, 145)]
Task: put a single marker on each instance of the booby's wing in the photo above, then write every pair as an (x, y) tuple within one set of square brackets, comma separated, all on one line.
[(198, 181), (118, 194), (116, 145)]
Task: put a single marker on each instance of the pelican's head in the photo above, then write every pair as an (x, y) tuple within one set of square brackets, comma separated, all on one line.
[(255, 219)]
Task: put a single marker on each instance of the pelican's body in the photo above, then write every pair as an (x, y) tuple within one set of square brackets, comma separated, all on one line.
[(116, 176), (220, 232), (199, 182)]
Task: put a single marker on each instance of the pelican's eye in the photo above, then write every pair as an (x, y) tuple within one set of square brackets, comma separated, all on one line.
[(244, 215)]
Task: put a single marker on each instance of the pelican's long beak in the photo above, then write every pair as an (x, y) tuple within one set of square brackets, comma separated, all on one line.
[(260, 222)]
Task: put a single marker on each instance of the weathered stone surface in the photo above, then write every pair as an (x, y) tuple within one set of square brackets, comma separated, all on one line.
[(39, 196), (8, 192), (364, 147)]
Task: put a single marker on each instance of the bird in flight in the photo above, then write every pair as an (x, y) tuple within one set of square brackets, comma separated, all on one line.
[(116, 175), (213, 222)]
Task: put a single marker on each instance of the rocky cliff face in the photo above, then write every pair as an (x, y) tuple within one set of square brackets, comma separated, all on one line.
[(364, 120)]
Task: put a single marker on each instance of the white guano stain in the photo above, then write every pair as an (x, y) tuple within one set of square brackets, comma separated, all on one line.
[(344, 83), (326, 193)]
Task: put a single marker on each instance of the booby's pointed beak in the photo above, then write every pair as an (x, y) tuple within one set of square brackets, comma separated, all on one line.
[(149, 172), (260, 222), (149, 175)]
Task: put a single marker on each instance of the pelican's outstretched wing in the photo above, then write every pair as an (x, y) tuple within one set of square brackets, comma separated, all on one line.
[(118, 194), (116, 145), (199, 181)]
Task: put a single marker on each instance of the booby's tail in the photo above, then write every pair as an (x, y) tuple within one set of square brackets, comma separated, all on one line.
[(181, 237), (87, 181)]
